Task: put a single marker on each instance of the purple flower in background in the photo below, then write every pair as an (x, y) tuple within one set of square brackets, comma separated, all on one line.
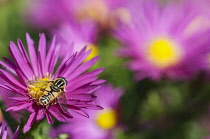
[(35, 79), (55, 12), (5, 94), (5, 132), (80, 34), (101, 124), (160, 43)]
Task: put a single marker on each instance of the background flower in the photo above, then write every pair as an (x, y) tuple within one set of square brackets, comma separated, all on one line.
[(159, 45), (56, 12), (5, 132), (101, 124), (78, 34)]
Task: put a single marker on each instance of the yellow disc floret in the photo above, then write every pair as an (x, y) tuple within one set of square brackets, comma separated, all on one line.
[(37, 87), (163, 53), (94, 52), (106, 119)]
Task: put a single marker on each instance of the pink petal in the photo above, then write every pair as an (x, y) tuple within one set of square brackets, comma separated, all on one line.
[(16, 133), (40, 115), (82, 97), (49, 118), (83, 67), (29, 123), (42, 52), (19, 107), (32, 53)]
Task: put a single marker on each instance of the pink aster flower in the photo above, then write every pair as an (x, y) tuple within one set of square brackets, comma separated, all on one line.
[(160, 43), (5, 132), (101, 124), (35, 79), (55, 12), (80, 34)]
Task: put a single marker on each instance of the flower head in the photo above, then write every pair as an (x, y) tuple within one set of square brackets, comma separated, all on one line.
[(55, 12), (160, 43), (101, 124), (80, 34), (45, 90), (5, 134)]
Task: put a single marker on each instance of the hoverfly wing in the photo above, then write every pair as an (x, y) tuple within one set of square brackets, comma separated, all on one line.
[(63, 103)]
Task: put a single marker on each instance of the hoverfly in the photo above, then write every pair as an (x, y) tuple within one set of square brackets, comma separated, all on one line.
[(54, 92)]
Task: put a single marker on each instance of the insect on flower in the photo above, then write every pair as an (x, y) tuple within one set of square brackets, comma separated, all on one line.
[(53, 93), (41, 87)]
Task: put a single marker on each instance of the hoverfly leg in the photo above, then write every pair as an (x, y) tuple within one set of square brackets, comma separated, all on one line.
[(45, 108)]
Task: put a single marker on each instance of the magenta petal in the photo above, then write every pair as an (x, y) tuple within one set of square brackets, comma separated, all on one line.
[(49, 118), (98, 82), (54, 59), (10, 63), (42, 52), (12, 80), (74, 107), (56, 114), (82, 68), (29, 123), (93, 107), (32, 53), (51, 49), (16, 133), (19, 107), (40, 115), (66, 114), (13, 89), (78, 60), (23, 52), (88, 89), (6, 87), (85, 75), (62, 67), (6, 66), (19, 98), (78, 84), (83, 97), (25, 68), (82, 112)]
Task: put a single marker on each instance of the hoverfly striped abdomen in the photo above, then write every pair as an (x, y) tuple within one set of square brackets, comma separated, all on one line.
[(53, 91)]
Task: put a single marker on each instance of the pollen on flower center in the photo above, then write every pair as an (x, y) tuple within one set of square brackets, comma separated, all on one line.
[(106, 119), (163, 53), (37, 87)]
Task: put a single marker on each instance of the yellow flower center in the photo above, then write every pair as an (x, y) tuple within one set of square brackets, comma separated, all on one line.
[(106, 119), (94, 9), (37, 87), (94, 52), (163, 53)]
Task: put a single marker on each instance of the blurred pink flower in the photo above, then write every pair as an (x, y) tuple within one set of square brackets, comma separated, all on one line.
[(78, 34), (5, 132), (101, 124), (54, 12), (160, 41)]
